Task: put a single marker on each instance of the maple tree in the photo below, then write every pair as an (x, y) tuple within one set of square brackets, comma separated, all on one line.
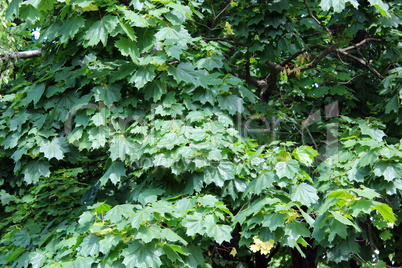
[(173, 133)]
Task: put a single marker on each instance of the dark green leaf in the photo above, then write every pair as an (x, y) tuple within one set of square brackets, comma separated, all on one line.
[(55, 148), (287, 169), (114, 173), (34, 170), (96, 33), (108, 94), (142, 255), (90, 246), (232, 103), (128, 48), (305, 194)]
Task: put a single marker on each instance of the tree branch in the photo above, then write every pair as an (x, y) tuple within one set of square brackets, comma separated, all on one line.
[(316, 20), (21, 54), (314, 63), (362, 62), (360, 43)]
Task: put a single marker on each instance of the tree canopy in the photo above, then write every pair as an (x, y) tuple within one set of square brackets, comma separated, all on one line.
[(172, 133)]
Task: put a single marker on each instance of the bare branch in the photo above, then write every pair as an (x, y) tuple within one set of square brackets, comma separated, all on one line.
[(222, 11), (360, 43), (362, 62), (22, 54)]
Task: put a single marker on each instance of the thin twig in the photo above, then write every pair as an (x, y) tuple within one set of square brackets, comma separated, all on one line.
[(316, 20), (251, 198), (222, 10), (350, 80), (357, 257), (373, 247), (213, 10), (362, 62), (196, 22)]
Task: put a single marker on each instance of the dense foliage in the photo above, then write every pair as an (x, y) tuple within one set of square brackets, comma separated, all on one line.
[(172, 133)]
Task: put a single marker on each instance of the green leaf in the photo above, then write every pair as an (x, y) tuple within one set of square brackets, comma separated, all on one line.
[(261, 183), (90, 246), (367, 193), (142, 255), (109, 242), (183, 9), (71, 27), (110, 22), (13, 8), (83, 262), (55, 148), (386, 235), (245, 93), (386, 212), (390, 170), (15, 254), (305, 194), (362, 205), (149, 195), (97, 32), (392, 105), (305, 154), (154, 90), (294, 231), (210, 63), (171, 253), (287, 169), (34, 93), (194, 224), (173, 35), (29, 14), (99, 119), (117, 213), (337, 5), (34, 170), (128, 48), (184, 72), (345, 220), (114, 173), (368, 158), (135, 19), (232, 103), (169, 235), (338, 228), (194, 183), (383, 7), (373, 132), (142, 76), (357, 174), (148, 233), (174, 51), (273, 221), (22, 238), (140, 216), (219, 232), (225, 171), (108, 94), (128, 30), (37, 259)]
